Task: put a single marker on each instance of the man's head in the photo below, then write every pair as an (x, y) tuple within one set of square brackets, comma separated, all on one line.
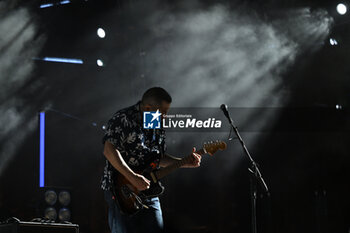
[(156, 98)]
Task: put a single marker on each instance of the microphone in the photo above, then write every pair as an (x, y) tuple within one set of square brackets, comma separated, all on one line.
[(226, 113)]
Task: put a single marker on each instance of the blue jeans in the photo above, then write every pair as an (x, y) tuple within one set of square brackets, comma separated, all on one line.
[(146, 220)]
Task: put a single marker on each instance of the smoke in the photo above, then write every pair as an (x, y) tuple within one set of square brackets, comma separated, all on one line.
[(17, 47), (206, 56), (217, 55), (203, 55)]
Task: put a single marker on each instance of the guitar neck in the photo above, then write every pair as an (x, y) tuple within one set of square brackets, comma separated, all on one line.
[(169, 169)]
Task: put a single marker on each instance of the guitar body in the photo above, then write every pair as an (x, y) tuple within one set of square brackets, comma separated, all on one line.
[(129, 199)]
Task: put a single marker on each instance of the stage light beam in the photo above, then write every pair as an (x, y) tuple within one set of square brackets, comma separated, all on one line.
[(342, 9)]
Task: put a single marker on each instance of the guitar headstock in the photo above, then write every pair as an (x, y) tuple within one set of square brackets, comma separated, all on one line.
[(212, 147)]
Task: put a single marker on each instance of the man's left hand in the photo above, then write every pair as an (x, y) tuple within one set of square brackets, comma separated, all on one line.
[(194, 159)]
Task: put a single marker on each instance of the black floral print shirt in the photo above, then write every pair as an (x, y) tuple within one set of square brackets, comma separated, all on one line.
[(139, 147)]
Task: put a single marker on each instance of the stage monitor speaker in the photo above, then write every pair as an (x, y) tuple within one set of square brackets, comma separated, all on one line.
[(38, 227)]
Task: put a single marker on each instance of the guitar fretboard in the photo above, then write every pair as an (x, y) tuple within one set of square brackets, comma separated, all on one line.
[(167, 170)]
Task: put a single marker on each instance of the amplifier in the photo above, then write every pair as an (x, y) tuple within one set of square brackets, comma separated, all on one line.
[(38, 227)]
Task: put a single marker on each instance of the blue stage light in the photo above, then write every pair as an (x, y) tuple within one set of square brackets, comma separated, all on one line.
[(46, 5), (64, 2), (42, 150)]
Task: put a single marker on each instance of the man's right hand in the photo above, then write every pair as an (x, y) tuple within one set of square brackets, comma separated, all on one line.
[(115, 158), (140, 182)]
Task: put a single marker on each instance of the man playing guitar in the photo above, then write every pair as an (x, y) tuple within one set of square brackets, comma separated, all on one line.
[(129, 148)]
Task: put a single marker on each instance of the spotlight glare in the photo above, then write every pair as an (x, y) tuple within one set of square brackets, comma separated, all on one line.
[(101, 33), (99, 62), (342, 9), (338, 106), (333, 42)]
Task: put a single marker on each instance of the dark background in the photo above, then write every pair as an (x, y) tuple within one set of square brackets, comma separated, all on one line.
[(306, 168)]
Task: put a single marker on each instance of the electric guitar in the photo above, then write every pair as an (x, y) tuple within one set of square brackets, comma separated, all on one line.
[(130, 200)]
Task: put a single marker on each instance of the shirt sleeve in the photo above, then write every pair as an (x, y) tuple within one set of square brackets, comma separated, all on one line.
[(115, 132)]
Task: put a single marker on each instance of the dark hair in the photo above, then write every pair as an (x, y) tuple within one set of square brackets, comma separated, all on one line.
[(155, 96)]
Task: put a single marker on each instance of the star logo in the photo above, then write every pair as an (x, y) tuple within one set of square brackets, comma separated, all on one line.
[(151, 120), (156, 115)]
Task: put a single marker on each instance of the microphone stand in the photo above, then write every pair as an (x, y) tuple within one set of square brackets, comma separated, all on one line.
[(255, 177)]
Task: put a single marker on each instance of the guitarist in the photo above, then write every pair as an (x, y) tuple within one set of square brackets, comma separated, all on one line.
[(128, 147)]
